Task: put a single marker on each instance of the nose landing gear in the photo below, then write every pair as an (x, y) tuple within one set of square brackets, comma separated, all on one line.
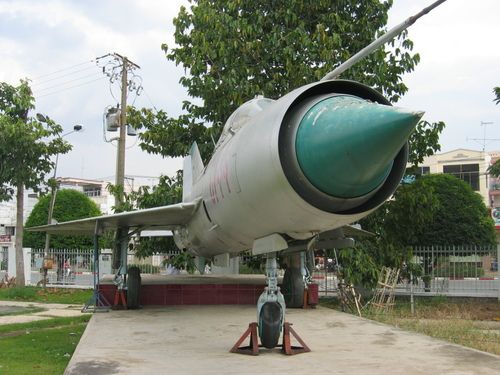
[(271, 317)]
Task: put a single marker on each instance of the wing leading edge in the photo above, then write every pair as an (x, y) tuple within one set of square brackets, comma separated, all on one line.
[(163, 218)]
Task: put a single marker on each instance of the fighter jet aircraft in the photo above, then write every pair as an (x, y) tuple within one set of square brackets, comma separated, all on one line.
[(285, 174)]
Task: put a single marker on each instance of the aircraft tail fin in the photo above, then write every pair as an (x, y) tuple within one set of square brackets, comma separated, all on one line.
[(193, 169)]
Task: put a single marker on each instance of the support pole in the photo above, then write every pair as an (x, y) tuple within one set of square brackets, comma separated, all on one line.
[(96, 303), (120, 155)]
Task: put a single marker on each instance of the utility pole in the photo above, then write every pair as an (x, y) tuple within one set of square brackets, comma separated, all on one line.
[(120, 154), (111, 67), (120, 68)]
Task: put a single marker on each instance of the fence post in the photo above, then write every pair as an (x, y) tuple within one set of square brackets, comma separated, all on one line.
[(27, 265)]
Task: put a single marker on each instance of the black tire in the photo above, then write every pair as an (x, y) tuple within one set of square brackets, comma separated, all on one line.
[(269, 324), (133, 288), (293, 288)]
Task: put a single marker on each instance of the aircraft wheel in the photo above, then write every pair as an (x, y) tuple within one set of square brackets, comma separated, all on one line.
[(269, 324), (133, 287), (293, 287)]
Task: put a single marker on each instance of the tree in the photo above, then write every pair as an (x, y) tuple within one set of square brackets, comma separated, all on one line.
[(26, 148), (437, 209), (168, 191), (234, 50), (494, 169), (70, 205), (496, 91)]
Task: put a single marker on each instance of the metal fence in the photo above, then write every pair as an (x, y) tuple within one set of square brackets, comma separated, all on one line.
[(66, 267), (452, 270), (75, 267), (455, 270), (466, 271), (326, 276), (4, 259)]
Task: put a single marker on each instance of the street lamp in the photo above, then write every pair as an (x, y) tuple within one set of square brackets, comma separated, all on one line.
[(42, 118)]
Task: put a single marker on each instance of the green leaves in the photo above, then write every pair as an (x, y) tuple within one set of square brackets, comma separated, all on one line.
[(424, 141), (69, 205), (233, 50), (168, 191), (438, 209), (26, 145), (496, 91)]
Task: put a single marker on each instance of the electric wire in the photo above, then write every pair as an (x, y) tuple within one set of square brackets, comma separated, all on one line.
[(149, 98), (66, 82), (63, 69), (44, 81), (71, 87)]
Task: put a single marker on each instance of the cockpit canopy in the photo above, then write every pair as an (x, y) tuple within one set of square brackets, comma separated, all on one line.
[(242, 116)]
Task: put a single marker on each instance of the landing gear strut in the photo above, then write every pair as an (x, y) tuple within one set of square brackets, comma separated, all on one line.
[(271, 319), (271, 306)]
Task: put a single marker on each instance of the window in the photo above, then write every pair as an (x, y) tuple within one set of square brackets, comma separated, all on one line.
[(92, 191), (466, 172), (422, 170), (10, 231)]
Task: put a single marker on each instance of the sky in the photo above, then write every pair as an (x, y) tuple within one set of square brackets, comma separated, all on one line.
[(55, 43)]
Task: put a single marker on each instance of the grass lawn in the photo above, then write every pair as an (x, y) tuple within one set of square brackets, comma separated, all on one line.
[(41, 347), (47, 295), (474, 323)]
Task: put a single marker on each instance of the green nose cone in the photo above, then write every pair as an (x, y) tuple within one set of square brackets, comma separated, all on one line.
[(346, 146)]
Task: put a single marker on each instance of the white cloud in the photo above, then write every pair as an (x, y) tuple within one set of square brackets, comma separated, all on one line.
[(457, 42)]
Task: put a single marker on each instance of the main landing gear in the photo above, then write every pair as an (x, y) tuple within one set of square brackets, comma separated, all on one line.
[(271, 319)]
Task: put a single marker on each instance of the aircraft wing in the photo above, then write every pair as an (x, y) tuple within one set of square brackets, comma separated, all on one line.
[(164, 217), (353, 231)]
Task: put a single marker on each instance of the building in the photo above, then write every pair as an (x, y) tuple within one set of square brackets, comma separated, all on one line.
[(469, 165), (97, 190), (8, 223), (472, 167)]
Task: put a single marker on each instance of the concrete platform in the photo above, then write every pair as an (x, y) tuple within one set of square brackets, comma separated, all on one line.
[(196, 340), (169, 290)]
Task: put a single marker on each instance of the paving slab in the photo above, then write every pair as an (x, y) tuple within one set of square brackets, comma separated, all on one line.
[(51, 310), (196, 340)]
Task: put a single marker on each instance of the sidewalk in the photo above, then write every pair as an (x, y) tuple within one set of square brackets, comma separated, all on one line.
[(51, 310), (196, 340)]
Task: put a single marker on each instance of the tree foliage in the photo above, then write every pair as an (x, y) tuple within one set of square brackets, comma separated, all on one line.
[(70, 205), (494, 169), (496, 91), (26, 148), (167, 191), (437, 209), (233, 50), (26, 145)]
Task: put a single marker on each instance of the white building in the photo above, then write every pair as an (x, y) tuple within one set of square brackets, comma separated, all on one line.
[(468, 165), (8, 223), (97, 190)]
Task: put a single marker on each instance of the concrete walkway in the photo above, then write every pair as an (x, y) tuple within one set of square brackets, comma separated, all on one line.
[(196, 340), (51, 310)]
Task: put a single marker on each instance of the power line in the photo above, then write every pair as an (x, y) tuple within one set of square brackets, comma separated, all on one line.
[(71, 87), (63, 69), (66, 82), (42, 82), (149, 98)]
